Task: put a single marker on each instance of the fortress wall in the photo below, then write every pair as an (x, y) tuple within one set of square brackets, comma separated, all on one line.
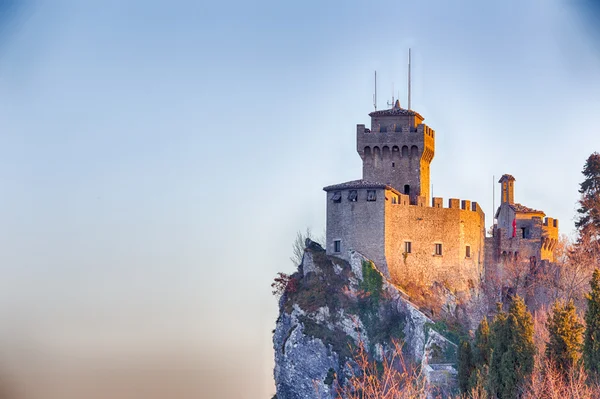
[(534, 237), (454, 228), (358, 225)]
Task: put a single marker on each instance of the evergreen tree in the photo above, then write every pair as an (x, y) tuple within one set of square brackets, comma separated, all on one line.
[(481, 356), (564, 346), (588, 223), (465, 366), (481, 352), (512, 350), (591, 342)]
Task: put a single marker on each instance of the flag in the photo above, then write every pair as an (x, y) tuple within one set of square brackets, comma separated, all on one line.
[(514, 227)]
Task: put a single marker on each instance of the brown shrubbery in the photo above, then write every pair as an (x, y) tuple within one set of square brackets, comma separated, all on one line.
[(393, 378)]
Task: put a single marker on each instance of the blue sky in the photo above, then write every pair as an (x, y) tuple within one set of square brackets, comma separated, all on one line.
[(157, 158)]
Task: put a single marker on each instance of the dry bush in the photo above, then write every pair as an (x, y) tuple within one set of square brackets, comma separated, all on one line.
[(548, 382), (394, 379)]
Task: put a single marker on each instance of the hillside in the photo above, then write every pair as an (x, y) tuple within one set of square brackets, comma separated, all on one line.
[(330, 305)]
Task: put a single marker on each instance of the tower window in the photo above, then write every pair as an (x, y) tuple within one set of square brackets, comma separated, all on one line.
[(438, 249), (352, 195), (371, 195), (407, 189), (407, 247), (337, 246), (393, 164), (337, 197), (468, 251)]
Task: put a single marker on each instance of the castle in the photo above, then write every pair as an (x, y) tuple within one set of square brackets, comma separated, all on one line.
[(388, 216)]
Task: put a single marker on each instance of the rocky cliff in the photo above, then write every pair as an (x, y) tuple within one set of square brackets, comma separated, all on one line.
[(329, 306)]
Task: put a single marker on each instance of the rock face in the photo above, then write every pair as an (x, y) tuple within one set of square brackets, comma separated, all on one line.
[(329, 306)]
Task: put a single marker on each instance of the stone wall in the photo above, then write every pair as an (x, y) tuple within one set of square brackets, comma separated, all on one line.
[(460, 225), (357, 225)]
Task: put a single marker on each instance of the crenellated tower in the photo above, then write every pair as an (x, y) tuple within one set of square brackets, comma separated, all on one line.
[(397, 150)]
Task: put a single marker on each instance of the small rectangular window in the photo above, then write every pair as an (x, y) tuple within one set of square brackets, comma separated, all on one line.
[(468, 251), (394, 200), (438, 249), (337, 246), (407, 247), (337, 197), (352, 195), (371, 195)]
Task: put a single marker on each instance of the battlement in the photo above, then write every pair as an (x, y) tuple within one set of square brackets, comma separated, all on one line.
[(550, 222), (549, 235), (426, 130), (386, 128), (455, 203)]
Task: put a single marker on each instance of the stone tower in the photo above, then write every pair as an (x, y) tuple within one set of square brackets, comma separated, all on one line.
[(508, 189), (397, 150)]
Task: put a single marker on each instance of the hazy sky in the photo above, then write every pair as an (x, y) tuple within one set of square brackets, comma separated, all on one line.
[(157, 158)]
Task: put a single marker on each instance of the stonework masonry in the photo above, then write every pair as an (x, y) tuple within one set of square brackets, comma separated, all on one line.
[(458, 232), (387, 216)]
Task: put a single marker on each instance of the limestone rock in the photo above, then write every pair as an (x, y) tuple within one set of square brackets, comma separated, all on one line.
[(325, 313)]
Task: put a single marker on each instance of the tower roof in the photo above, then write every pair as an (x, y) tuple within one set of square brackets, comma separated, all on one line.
[(506, 177), (397, 110), (518, 208), (358, 184)]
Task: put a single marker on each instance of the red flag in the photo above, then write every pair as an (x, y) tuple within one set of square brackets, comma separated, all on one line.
[(514, 227)]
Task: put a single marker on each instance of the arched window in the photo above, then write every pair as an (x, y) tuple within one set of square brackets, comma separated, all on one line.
[(385, 152), (404, 150), (414, 151)]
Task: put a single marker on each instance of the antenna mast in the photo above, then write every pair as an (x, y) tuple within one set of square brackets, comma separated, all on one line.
[(375, 95), (493, 200), (409, 78), (393, 99)]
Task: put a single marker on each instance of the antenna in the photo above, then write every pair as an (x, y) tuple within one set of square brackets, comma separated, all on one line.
[(409, 78), (393, 102), (493, 199), (375, 95)]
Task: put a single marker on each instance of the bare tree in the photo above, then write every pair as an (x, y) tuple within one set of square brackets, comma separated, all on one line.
[(299, 244)]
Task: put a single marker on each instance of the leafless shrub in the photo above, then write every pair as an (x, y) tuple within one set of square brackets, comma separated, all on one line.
[(393, 379)]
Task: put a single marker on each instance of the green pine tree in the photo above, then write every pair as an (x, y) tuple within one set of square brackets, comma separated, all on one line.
[(465, 366), (481, 357), (590, 195), (512, 350), (564, 346), (481, 352), (591, 341), (588, 223)]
